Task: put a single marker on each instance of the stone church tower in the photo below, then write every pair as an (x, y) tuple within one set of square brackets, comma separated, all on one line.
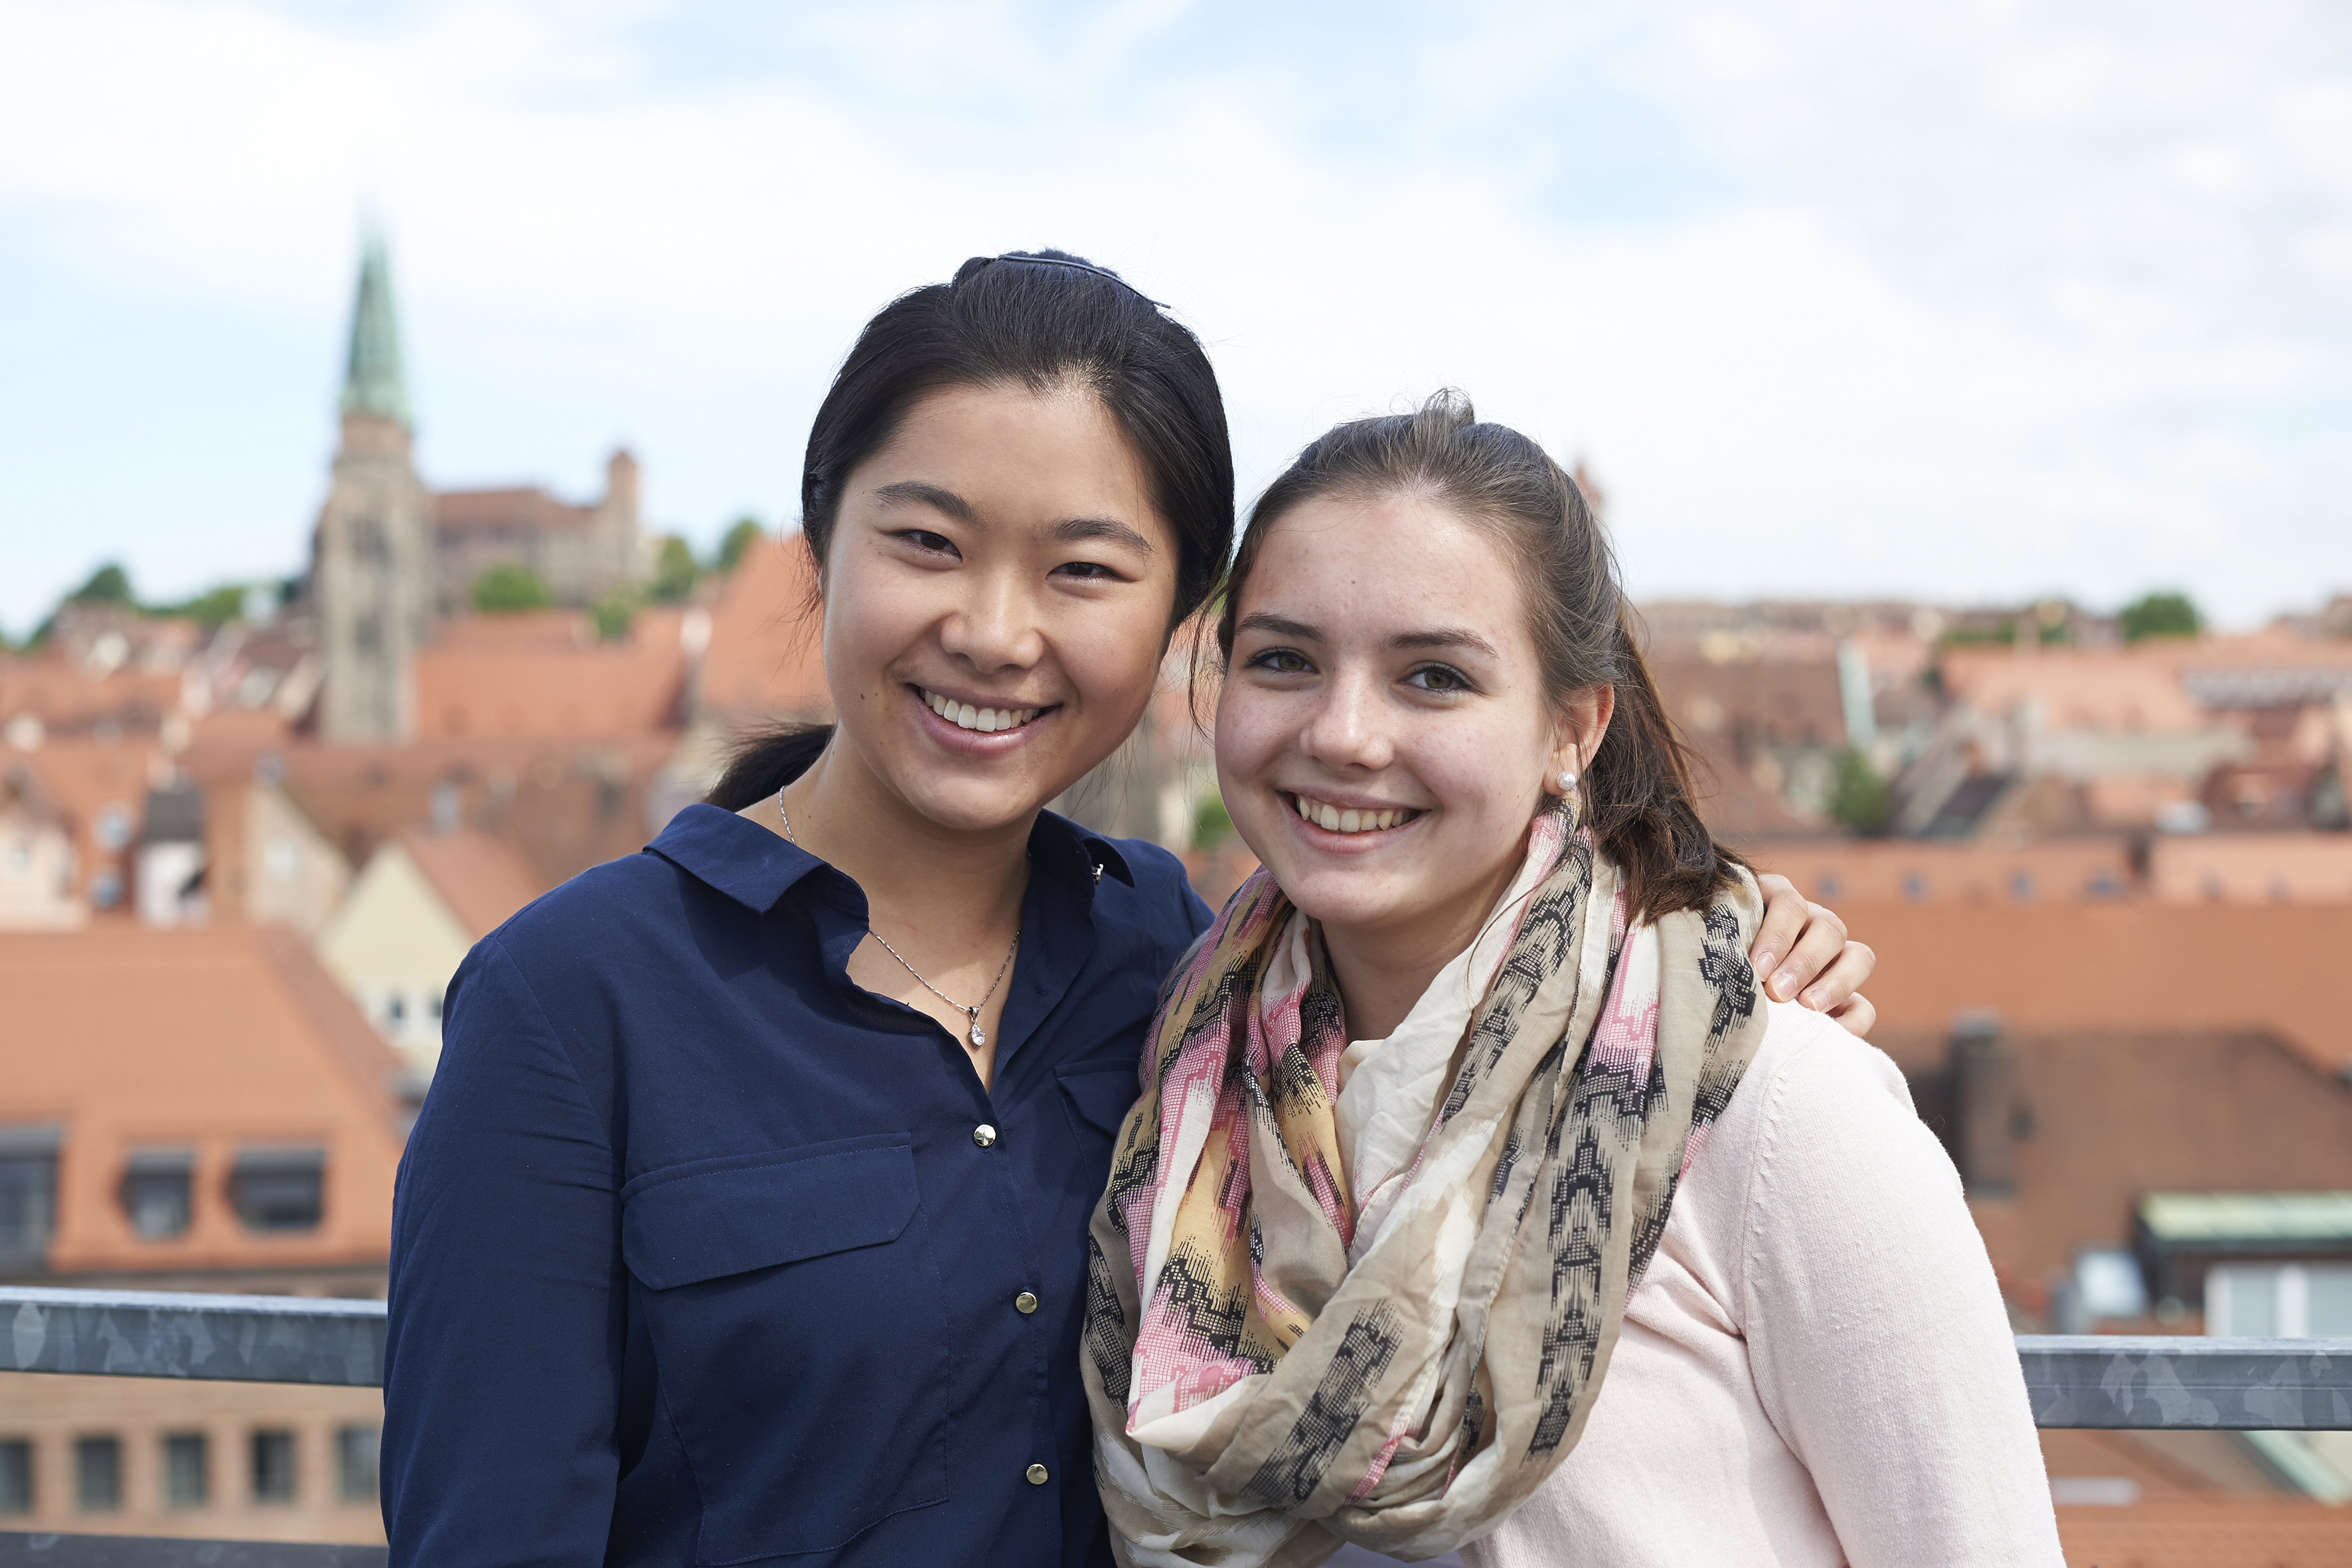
[(373, 560)]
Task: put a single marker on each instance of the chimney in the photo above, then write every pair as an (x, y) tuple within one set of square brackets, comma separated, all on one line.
[(1983, 1106)]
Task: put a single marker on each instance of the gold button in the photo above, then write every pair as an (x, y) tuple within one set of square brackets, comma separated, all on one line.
[(1037, 1477), (983, 1135), (1025, 1303)]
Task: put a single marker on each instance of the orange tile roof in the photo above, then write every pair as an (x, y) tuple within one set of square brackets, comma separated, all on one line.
[(65, 698), (2208, 1532), (471, 684), (2108, 1116), (483, 879), (564, 805), (210, 1039), (2046, 965), (764, 661)]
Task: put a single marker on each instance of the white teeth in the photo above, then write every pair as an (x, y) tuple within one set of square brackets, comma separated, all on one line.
[(1333, 819), (985, 720)]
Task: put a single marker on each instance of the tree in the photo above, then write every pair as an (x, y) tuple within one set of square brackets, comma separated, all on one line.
[(508, 586), (213, 607), (674, 572), (2161, 616), (1211, 824), (611, 615), (737, 539), (1858, 796), (110, 585)]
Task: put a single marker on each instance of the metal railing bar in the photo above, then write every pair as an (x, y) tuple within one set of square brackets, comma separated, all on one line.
[(160, 1333), (37, 1551), (2119, 1382), (2079, 1381)]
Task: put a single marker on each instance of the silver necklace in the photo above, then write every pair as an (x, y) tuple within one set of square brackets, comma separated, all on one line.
[(979, 1034)]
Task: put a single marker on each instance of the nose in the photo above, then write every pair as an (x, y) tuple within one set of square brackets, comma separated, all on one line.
[(995, 627), (1347, 729)]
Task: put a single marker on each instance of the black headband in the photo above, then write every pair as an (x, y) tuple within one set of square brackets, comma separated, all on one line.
[(1084, 266)]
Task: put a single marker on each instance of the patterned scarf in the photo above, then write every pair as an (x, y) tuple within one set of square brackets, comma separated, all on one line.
[(1256, 1399)]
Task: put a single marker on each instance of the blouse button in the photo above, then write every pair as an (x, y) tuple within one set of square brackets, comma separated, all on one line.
[(1025, 1303), (983, 1135), (1037, 1477)]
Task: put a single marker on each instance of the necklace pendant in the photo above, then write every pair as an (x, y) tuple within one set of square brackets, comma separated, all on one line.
[(979, 1035)]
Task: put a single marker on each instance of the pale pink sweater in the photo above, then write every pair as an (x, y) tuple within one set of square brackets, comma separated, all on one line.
[(1816, 1370)]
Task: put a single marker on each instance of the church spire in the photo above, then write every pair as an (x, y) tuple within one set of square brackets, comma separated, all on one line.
[(373, 385)]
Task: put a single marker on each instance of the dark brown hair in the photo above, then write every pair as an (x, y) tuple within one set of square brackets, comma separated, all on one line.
[(1030, 319), (1637, 788)]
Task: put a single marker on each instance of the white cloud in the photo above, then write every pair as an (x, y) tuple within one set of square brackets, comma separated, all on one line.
[(1986, 301)]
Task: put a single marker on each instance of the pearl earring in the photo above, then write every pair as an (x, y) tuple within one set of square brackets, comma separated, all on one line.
[(1567, 780)]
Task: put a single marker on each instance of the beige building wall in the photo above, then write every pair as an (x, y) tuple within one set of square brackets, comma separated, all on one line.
[(51, 1412), (293, 876), (393, 945), (36, 863)]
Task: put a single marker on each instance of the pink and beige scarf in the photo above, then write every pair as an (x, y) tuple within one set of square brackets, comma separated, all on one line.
[(1265, 1381)]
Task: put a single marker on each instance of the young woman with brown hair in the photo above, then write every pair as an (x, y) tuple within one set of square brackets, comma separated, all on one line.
[(1477, 1197)]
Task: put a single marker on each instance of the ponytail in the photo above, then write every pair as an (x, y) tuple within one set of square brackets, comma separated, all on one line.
[(1640, 801)]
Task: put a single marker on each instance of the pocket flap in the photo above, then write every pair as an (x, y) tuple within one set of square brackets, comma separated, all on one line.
[(1104, 1095), (732, 1216)]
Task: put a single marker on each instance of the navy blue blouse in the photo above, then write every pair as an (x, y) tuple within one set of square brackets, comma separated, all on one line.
[(703, 1253)]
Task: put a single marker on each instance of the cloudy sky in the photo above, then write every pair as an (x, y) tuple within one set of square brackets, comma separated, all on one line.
[(1966, 301)]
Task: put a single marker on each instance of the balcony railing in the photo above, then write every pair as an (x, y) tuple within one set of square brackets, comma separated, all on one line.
[(2072, 1380)]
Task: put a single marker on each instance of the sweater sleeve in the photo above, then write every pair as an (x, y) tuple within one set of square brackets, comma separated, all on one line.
[(1877, 1334)]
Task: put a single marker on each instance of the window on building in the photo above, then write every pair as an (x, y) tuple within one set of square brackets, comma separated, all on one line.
[(355, 1456), (1914, 886), (2282, 1300), (106, 888), (28, 1195), (15, 1476), (433, 1005), (2020, 886), (155, 1191), (187, 1469), (395, 1009), (273, 1466), (279, 1189), (98, 1474), (1831, 885)]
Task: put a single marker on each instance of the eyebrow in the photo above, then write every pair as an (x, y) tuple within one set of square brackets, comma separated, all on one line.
[(932, 496), (1444, 637), (1105, 528), (1437, 637), (916, 492)]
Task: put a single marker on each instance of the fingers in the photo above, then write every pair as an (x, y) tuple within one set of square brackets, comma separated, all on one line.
[(1817, 947), (1785, 914), (1857, 1015), (1828, 990)]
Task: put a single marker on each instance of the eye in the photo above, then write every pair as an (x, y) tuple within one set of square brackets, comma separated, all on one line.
[(1438, 678), (1281, 662), (923, 539), (1087, 572)]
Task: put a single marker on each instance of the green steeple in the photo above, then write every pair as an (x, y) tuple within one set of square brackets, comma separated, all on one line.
[(374, 384)]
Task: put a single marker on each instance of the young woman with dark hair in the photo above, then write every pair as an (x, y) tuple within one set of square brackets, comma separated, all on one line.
[(1477, 1197), (746, 1216)]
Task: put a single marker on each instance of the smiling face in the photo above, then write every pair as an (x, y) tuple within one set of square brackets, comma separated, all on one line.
[(997, 593), (1383, 738)]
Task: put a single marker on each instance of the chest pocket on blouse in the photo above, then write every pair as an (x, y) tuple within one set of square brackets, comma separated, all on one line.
[(798, 1323)]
